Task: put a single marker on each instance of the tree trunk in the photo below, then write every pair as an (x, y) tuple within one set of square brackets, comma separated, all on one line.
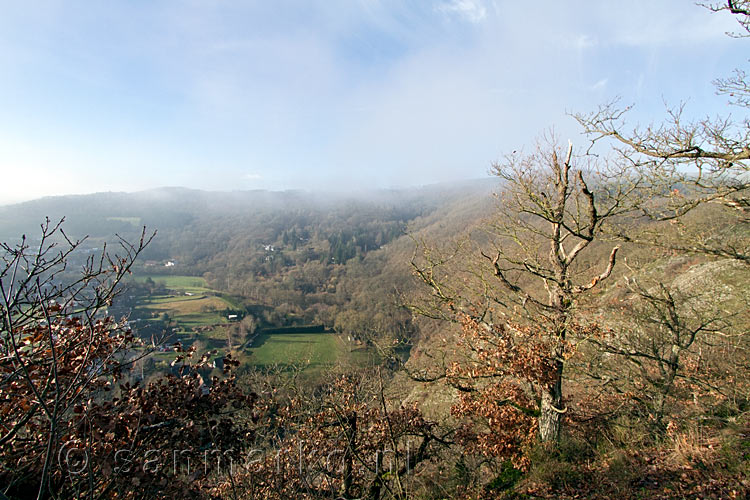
[(351, 434), (550, 420), (377, 482)]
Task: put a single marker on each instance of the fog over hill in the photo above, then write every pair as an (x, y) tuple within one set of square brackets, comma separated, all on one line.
[(106, 213)]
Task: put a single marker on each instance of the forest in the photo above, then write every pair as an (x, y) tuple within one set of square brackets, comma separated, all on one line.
[(575, 326)]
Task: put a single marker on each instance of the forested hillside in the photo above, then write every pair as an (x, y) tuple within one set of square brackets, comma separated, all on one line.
[(308, 258)]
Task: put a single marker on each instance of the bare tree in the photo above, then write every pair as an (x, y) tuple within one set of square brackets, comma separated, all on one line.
[(56, 341), (664, 339), (341, 439), (69, 413), (544, 254), (695, 199), (688, 164), (739, 8)]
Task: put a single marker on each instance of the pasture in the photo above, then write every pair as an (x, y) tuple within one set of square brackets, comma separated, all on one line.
[(196, 314), (313, 349), (182, 283), (190, 305)]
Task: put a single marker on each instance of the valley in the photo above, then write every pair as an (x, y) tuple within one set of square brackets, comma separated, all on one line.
[(184, 309), (385, 318), (375, 250)]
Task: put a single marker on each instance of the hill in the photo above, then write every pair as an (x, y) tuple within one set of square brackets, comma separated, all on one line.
[(290, 258)]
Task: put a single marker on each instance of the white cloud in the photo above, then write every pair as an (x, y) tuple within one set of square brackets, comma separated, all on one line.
[(378, 92), (600, 85), (469, 10)]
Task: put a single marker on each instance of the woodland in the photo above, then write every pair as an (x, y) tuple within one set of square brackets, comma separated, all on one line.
[(575, 326)]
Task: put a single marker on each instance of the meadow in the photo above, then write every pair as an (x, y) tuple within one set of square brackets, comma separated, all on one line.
[(184, 283), (302, 348), (196, 314)]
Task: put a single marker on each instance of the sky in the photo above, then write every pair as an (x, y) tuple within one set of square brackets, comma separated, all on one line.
[(328, 94)]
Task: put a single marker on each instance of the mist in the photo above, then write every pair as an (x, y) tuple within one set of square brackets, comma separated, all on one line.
[(316, 96)]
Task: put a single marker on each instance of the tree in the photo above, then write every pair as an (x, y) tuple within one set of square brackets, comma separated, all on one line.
[(51, 361), (664, 341), (71, 424), (521, 319), (339, 439), (694, 199), (688, 164)]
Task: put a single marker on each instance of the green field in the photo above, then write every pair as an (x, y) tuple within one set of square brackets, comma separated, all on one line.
[(295, 348), (187, 284), (200, 317), (309, 350), (183, 283), (190, 305)]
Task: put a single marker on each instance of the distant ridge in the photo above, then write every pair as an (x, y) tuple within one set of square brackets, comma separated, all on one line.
[(103, 214), (462, 184)]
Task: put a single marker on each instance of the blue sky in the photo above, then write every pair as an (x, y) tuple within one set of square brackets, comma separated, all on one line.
[(329, 94)]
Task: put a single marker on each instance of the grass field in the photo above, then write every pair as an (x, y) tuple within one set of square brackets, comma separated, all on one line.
[(184, 283), (202, 308), (295, 348), (198, 317), (312, 351), (190, 284), (189, 305)]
